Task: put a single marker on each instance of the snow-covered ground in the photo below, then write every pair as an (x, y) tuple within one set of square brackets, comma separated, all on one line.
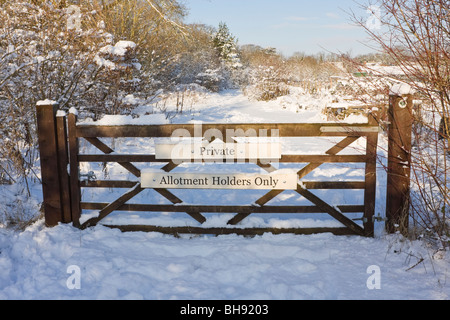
[(100, 263), (37, 264)]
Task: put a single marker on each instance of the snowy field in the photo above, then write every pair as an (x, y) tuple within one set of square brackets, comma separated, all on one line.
[(114, 265), (100, 263)]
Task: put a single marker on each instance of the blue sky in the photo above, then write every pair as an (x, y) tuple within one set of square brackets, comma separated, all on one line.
[(308, 26)]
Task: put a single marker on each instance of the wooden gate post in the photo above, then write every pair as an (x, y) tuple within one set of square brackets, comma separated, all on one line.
[(399, 163), (75, 193), (48, 148), (371, 178), (63, 161)]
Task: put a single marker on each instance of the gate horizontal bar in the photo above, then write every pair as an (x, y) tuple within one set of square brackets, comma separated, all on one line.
[(219, 209), (284, 159), (227, 231), (284, 129), (337, 185), (347, 129)]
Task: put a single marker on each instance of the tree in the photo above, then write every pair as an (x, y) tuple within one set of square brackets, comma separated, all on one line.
[(226, 46), (156, 26)]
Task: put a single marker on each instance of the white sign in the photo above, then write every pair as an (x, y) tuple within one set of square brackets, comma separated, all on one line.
[(278, 180), (217, 150)]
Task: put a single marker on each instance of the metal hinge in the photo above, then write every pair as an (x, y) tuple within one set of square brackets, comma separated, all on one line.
[(90, 176), (378, 218)]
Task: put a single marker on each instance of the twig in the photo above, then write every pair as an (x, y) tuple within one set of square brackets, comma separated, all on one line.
[(417, 263)]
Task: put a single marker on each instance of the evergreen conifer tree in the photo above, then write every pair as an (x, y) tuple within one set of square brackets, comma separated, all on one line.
[(226, 45)]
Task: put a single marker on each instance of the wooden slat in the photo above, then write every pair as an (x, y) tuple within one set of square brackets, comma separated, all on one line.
[(170, 166), (74, 169), (113, 206), (49, 163), (302, 173), (331, 210), (169, 196), (219, 209), (175, 200), (284, 129), (370, 184), (123, 158), (227, 231), (338, 185), (107, 150), (196, 215), (268, 196), (266, 166), (309, 168), (130, 184), (331, 152), (108, 184), (320, 159)]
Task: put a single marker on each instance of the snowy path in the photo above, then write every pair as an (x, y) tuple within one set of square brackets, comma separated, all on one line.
[(233, 106)]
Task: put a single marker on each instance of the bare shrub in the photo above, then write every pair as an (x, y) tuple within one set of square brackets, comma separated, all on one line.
[(415, 34), (42, 57), (267, 76)]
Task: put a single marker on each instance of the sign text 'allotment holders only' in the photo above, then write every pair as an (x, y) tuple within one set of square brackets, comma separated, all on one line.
[(279, 180)]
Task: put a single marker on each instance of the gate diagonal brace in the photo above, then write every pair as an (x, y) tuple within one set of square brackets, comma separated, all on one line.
[(136, 172), (174, 199), (302, 173), (113, 206), (107, 150), (330, 210)]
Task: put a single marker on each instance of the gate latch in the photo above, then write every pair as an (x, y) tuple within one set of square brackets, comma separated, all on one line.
[(90, 176), (374, 218), (379, 218)]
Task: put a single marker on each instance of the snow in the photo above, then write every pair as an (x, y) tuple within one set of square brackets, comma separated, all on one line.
[(46, 102), (73, 111), (46, 263), (37, 264), (131, 100), (379, 69), (401, 89), (101, 62), (119, 49), (60, 113), (231, 106), (119, 120)]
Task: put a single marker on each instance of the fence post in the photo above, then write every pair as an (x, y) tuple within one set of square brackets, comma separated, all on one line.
[(370, 177), (63, 160), (74, 168), (399, 163), (48, 148)]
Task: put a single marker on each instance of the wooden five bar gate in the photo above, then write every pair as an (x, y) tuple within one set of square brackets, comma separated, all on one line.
[(59, 138)]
